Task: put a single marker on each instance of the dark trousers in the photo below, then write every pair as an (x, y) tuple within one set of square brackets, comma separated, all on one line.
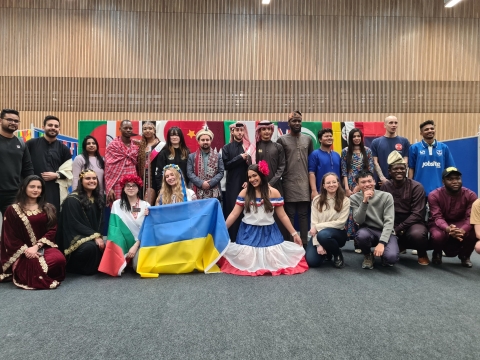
[(441, 241), (415, 237), (331, 240), (85, 259), (301, 208), (369, 237), (6, 199)]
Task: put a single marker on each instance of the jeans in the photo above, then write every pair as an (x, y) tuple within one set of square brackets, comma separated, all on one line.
[(331, 240)]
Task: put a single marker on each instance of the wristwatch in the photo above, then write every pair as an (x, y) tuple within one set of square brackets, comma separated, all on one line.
[(58, 175)]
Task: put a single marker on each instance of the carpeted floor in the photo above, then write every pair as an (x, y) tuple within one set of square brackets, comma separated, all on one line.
[(405, 312)]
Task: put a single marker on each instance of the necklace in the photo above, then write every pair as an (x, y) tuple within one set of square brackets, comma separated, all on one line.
[(32, 209)]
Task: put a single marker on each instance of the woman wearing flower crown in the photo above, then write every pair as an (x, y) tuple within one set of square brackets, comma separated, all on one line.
[(260, 248), (80, 226), (173, 187), (126, 219)]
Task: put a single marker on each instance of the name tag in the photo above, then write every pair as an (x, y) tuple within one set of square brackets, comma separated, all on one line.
[(135, 209)]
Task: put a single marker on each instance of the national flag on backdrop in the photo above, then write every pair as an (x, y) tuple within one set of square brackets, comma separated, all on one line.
[(190, 128), (120, 239), (183, 237), (371, 130), (251, 126), (309, 128)]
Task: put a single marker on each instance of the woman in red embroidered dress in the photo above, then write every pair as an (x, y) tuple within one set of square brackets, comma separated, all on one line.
[(28, 253)]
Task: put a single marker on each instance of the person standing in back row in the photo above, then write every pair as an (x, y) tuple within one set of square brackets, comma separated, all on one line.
[(52, 161), (15, 160), (383, 146), (297, 148)]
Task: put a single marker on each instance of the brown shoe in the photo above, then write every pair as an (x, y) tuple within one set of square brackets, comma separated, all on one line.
[(466, 263), (437, 258), (423, 260)]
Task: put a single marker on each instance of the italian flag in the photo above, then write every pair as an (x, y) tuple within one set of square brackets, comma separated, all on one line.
[(122, 232)]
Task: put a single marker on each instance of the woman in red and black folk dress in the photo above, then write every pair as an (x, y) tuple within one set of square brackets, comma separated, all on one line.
[(28, 253)]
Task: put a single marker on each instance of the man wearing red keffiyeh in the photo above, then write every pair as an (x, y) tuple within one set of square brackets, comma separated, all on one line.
[(120, 159)]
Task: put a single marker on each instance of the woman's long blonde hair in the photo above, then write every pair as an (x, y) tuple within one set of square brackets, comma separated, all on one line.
[(169, 193)]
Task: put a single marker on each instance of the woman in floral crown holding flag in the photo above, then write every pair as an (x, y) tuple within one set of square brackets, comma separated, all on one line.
[(126, 219), (260, 248)]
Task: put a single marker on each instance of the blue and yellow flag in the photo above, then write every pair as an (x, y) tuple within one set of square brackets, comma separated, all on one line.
[(182, 237)]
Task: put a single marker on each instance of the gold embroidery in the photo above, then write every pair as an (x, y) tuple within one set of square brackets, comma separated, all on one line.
[(14, 257), (26, 222), (54, 284), (76, 244), (32, 212), (47, 242), (22, 286), (43, 264), (4, 276)]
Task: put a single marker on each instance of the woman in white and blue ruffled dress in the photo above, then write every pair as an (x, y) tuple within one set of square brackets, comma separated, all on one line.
[(260, 248)]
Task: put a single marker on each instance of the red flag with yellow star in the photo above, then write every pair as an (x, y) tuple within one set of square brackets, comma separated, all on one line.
[(190, 129)]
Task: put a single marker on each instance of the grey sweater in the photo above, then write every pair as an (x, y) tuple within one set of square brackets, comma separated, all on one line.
[(378, 213)]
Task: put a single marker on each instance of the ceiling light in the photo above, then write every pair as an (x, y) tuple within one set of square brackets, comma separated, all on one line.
[(265, 2), (451, 3)]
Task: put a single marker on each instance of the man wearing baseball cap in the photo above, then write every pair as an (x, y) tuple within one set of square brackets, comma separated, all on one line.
[(449, 222)]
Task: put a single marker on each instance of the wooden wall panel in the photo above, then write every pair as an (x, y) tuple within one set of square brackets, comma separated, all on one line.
[(335, 60)]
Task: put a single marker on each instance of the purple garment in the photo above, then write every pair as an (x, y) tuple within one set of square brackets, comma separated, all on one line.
[(409, 203), (446, 209)]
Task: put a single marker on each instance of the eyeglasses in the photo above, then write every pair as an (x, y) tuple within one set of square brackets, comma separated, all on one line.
[(131, 186), (15, 121)]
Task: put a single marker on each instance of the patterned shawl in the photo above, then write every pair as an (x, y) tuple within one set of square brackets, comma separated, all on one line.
[(206, 174)]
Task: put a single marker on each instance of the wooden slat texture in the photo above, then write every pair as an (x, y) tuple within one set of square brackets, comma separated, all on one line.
[(335, 60)]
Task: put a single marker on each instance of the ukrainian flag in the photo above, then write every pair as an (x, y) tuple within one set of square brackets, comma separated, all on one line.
[(182, 237)]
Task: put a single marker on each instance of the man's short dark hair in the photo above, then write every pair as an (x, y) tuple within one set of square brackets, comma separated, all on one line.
[(363, 174), (425, 123), (8, 111), (50, 117), (323, 131)]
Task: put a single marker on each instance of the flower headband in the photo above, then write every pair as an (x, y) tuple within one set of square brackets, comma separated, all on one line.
[(175, 167), (263, 167), (85, 172), (131, 178)]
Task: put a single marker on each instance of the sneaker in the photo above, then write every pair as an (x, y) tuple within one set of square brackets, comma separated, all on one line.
[(328, 257), (414, 252), (338, 260), (466, 262), (367, 261), (358, 251), (385, 263), (437, 258), (423, 260)]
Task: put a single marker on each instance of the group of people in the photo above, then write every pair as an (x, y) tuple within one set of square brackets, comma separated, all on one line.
[(47, 231)]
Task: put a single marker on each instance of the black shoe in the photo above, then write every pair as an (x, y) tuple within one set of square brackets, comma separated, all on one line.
[(338, 260), (328, 257), (437, 258), (466, 262)]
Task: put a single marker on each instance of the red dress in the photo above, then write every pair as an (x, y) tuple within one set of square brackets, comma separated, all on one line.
[(20, 231)]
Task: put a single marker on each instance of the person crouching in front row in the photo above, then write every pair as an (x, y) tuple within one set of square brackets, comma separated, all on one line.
[(374, 212)]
